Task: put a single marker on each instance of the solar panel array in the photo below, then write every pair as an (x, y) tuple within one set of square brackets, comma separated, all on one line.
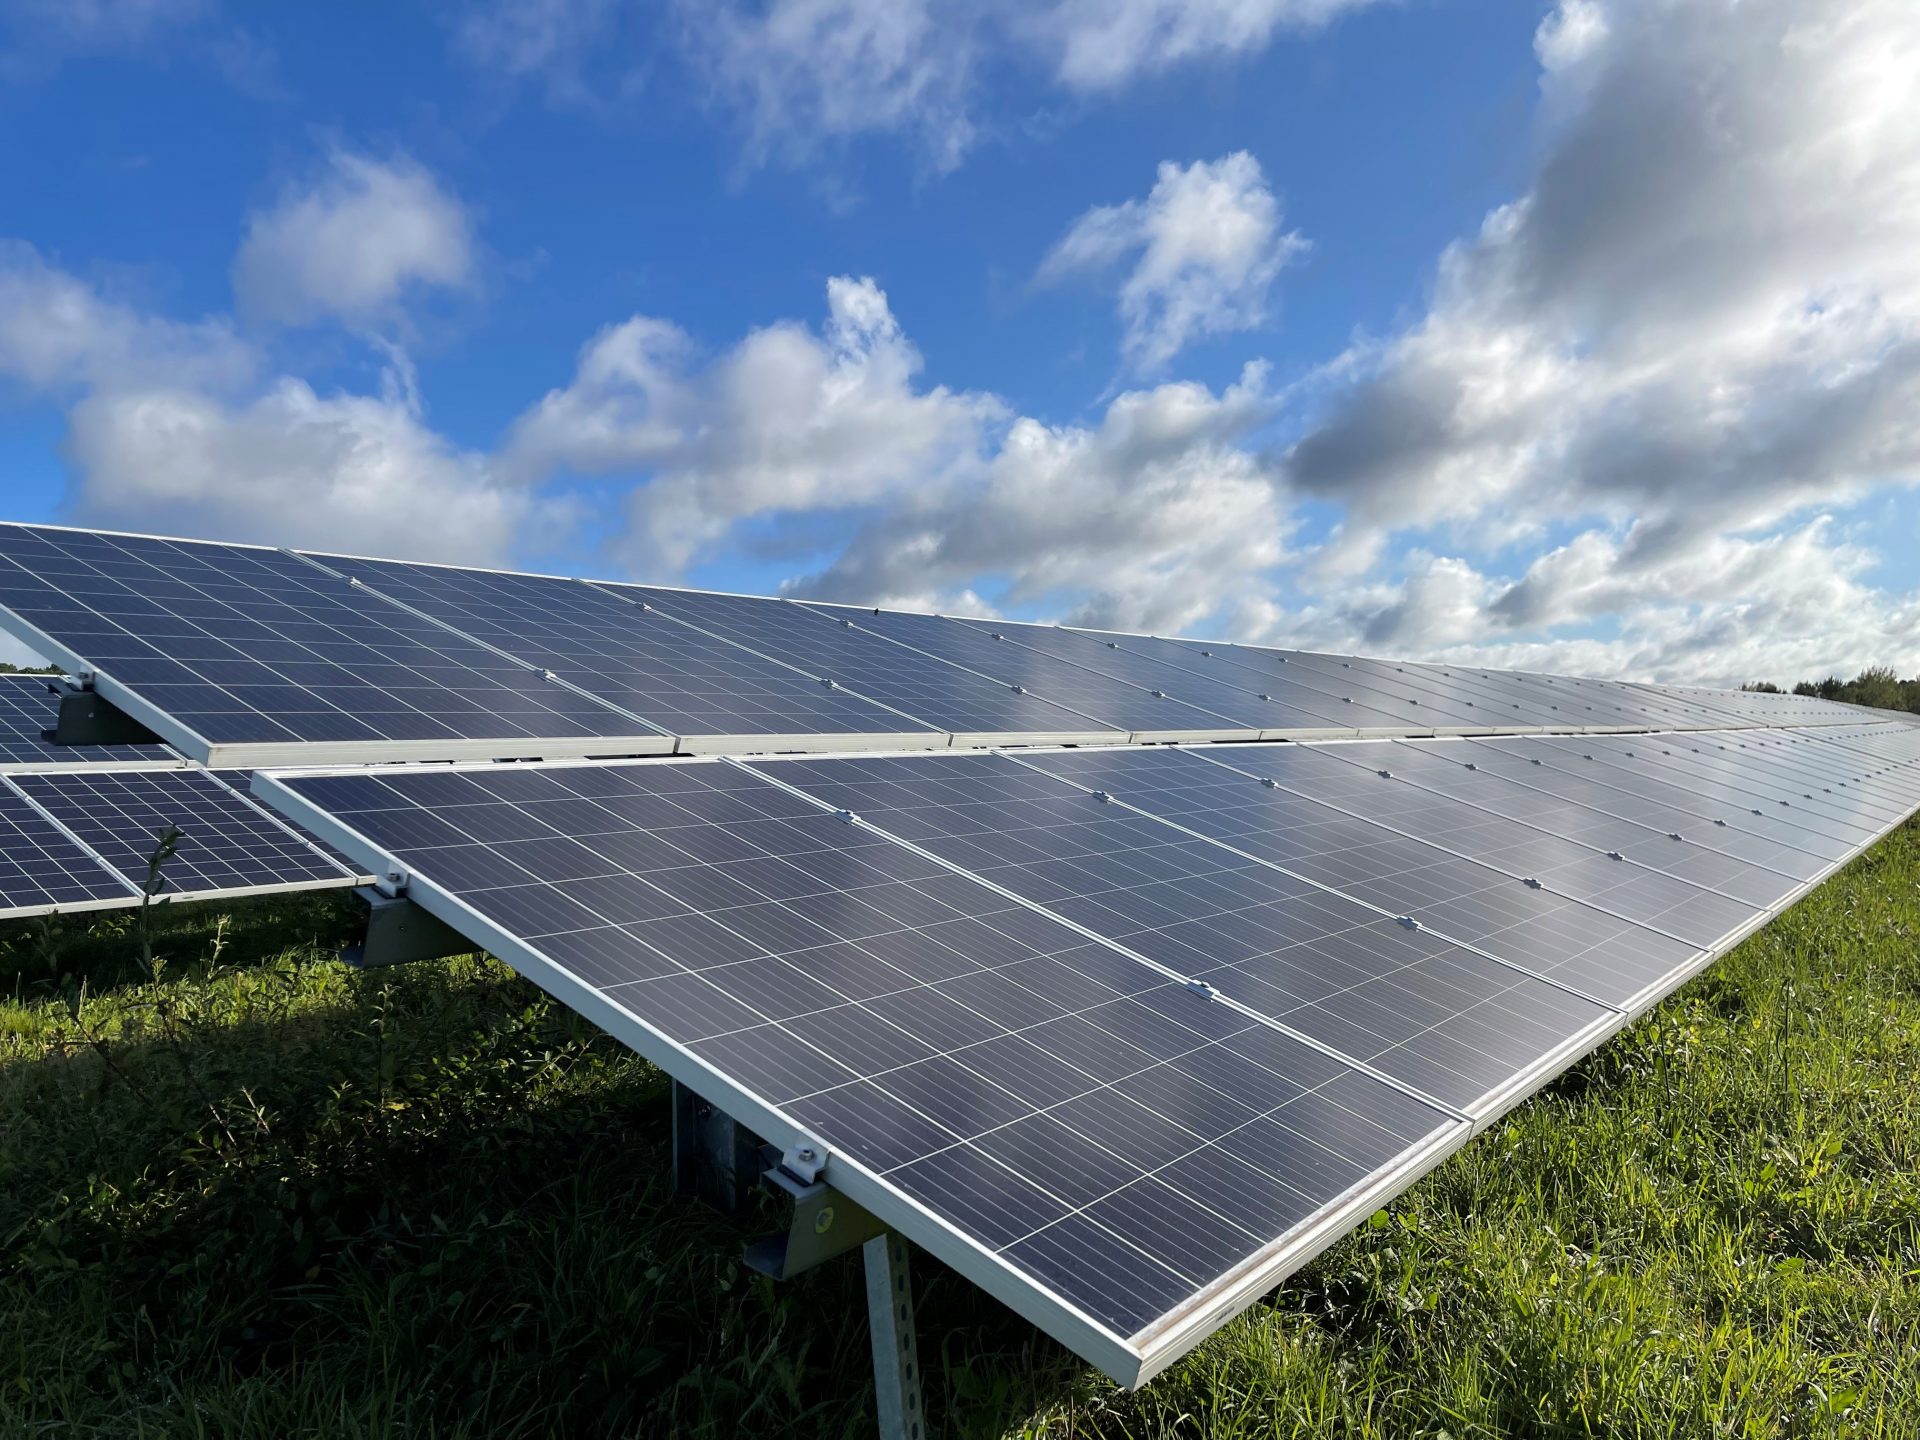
[(78, 823), (246, 656), (29, 711), (1124, 1030), (1126, 1033)]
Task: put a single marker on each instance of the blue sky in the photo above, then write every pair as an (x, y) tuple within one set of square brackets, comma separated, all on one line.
[(1390, 326)]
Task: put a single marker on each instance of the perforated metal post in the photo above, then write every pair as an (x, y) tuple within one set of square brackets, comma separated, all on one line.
[(896, 1353)]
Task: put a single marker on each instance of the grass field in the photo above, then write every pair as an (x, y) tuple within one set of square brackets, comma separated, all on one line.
[(259, 1194)]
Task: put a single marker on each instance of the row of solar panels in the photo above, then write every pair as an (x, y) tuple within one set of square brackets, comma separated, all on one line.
[(249, 656), (79, 825), (1126, 1034)]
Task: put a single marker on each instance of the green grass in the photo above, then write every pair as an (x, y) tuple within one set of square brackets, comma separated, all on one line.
[(260, 1194)]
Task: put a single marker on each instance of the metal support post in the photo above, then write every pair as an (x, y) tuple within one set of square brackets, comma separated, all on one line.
[(896, 1353)]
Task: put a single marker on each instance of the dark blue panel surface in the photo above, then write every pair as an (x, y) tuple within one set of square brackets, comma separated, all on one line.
[(1018, 1079), (247, 645), (226, 841), (1588, 949), (1450, 1023), (1110, 702), (940, 694), (685, 682), (41, 867)]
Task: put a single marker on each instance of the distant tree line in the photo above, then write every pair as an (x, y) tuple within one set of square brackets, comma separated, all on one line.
[(1877, 685), (6, 669)]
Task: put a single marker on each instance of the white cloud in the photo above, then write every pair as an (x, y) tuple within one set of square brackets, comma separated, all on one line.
[(803, 73), (353, 244), (181, 428), (787, 421), (1701, 321), (1153, 519), (1206, 245), (1105, 44), (58, 332), (804, 76)]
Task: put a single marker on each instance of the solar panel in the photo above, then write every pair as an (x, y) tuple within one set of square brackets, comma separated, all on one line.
[(1358, 779), (1451, 1023), (242, 655), (976, 710), (1114, 703), (1689, 760), (1256, 707), (1586, 948), (227, 844), (1124, 1159), (707, 693), (1340, 713), (1664, 808), (1679, 850), (28, 713), (44, 868)]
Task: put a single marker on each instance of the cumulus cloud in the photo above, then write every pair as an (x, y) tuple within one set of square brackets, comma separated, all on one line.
[(353, 243), (184, 428), (57, 333), (1702, 316), (1205, 246), (788, 421), (1154, 518)]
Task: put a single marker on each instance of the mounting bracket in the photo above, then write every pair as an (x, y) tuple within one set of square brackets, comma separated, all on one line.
[(399, 931), (89, 718), (715, 1157)]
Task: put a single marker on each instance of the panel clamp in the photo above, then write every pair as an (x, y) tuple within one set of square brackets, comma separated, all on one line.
[(846, 817), (1407, 922), (1103, 797)]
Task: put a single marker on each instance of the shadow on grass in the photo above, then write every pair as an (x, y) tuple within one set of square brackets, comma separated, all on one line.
[(298, 1199)]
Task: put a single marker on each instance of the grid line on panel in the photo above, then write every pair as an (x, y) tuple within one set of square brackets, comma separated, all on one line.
[(677, 680), (1127, 945), (44, 865), (1637, 762), (924, 687), (719, 808), (1666, 754), (1684, 801), (1588, 826), (1112, 703), (1501, 858), (226, 842), (1462, 901), (232, 645), (1132, 666), (1337, 711)]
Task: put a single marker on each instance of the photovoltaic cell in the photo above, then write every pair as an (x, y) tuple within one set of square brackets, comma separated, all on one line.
[(225, 842), (1252, 706), (28, 711), (686, 683), (1350, 777), (1663, 807), (237, 645), (975, 1068), (1317, 701), (1110, 702), (939, 694), (1451, 1023), (42, 868), (1584, 948)]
